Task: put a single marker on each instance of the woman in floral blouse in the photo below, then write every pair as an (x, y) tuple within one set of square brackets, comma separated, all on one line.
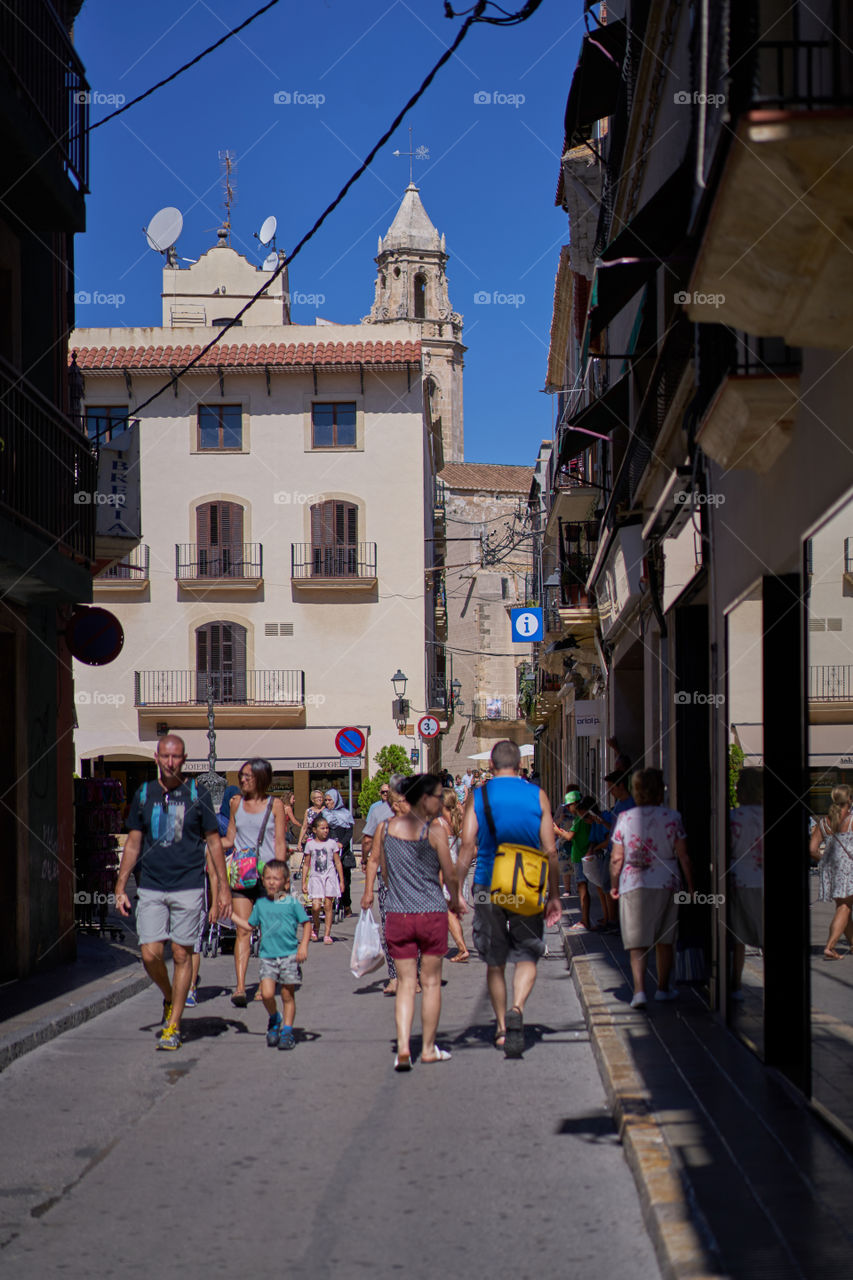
[(649, 845)]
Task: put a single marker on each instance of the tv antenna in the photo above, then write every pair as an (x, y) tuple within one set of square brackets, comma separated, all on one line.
[(228, 161)]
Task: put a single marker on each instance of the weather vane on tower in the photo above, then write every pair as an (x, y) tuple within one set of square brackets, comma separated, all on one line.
[(419, 153)]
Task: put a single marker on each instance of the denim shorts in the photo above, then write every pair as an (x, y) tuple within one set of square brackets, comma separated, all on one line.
[(283, 969)]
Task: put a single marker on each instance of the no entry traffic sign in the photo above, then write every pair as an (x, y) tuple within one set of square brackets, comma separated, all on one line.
[(350, 741), (428, 727)]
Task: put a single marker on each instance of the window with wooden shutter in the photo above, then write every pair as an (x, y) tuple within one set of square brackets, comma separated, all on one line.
[(334, 539), (221, 662), (219, 534)]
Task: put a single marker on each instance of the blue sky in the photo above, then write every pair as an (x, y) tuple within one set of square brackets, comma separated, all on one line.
[(488, 182)]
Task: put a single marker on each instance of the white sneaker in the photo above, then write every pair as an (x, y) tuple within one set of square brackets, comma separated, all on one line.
[(666, 995), (638, 1000)]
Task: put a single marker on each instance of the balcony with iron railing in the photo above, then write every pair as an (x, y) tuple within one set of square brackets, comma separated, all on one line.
[(128, 574), (239, 565), (831, 683), (260, 697), (48, 470), (438, 696), (341, 567), (504, 707), (49, 89), (781, 140)]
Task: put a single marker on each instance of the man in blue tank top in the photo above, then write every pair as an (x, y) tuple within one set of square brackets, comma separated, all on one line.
[(521, 814)]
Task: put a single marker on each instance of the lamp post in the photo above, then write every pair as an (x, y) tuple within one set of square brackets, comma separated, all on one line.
[(400, 705), (215, 785)]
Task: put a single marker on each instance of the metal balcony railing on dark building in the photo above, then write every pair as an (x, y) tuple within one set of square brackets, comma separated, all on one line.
[(131, 568), (236, 688), (242, 560), (355, 561), (41, 60), (48, 471), (437, 695)]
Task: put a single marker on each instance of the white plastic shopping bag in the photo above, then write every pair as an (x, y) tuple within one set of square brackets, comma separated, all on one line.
[(367, 953)]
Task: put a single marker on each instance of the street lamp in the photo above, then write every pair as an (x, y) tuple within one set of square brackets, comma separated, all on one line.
[(455, 693), (399, 681)]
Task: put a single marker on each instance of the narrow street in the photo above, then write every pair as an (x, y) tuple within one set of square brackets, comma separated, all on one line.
[(228, 1155)]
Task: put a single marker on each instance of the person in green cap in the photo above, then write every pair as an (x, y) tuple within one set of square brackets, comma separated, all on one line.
[(575, 833)]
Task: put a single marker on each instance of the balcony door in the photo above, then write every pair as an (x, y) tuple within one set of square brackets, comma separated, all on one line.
[(220, 661), (334, 540), (219, 536)]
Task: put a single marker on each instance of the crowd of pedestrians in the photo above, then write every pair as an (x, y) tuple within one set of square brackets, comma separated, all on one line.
[(435, 849)]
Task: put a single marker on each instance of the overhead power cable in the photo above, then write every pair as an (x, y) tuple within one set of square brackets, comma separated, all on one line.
[(180, 71), (475, 15)]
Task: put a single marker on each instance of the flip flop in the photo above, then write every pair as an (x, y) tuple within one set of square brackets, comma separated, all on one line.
[(239, 1000), (460, 959), (500, 1038), (327, 942), (402, 1062), (832, 955), (514, 1046), (257, 995), (386, 992), (441, 1055)]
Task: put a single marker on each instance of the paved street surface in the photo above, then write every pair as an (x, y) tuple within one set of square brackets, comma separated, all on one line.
[(227, 1155)]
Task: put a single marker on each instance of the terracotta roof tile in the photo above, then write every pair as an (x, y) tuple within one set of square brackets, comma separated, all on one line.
[(493, 476), (244, 355)]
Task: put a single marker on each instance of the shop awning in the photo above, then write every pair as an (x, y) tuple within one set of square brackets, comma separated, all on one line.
[(601, 417), (647, 242), (595, 83), (831, 746)]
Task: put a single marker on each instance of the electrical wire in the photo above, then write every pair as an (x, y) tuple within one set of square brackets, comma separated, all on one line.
[(475, 15), (180, 71)]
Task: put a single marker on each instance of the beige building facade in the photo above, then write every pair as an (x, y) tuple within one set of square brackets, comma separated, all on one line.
[(287, 489)]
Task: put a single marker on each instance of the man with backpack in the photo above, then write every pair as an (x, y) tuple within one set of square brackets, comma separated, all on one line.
[(508, 826), (171, 824)]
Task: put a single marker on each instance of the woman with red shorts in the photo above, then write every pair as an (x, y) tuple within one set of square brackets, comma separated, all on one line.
[(411, 850)]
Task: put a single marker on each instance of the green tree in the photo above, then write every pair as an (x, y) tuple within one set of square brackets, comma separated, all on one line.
[(736, 759), (391, 759)]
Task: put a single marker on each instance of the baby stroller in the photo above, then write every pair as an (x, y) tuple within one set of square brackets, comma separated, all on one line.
[(215, 933)]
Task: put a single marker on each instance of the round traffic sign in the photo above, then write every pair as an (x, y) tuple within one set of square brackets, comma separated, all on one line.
[(94, 635), (350, 741), (428, 727)]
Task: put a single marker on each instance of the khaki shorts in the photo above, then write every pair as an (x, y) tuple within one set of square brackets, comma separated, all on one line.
[(648, 917), (170, 917)]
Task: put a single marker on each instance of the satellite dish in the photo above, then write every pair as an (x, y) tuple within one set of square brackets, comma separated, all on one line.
[(270, 262), (164, 228), (267, 231)]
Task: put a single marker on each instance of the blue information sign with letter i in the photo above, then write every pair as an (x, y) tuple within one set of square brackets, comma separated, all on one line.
[(527, 625)]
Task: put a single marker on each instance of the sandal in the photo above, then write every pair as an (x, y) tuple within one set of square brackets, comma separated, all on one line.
[(402, 1062), (257, 995), (500, 1037), (461, 957), (831, 955), (388, 990), (441, 1055), (328, 940), (239, 1000)]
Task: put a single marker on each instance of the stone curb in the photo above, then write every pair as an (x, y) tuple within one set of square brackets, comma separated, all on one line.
[(16, 1043), (681, 1240)]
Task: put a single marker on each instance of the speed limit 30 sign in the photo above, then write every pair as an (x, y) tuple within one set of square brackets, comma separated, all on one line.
[(428, 727)]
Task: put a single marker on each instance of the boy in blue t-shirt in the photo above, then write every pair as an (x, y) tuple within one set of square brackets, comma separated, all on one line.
[(279, 916)]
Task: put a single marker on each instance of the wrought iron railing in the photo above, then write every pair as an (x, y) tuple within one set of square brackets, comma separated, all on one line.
[(355, 561), (42, 61), (234, 688), (131, 568), (48, 472), (832, 683), (497, 708), (239, 560), (437, 693)]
